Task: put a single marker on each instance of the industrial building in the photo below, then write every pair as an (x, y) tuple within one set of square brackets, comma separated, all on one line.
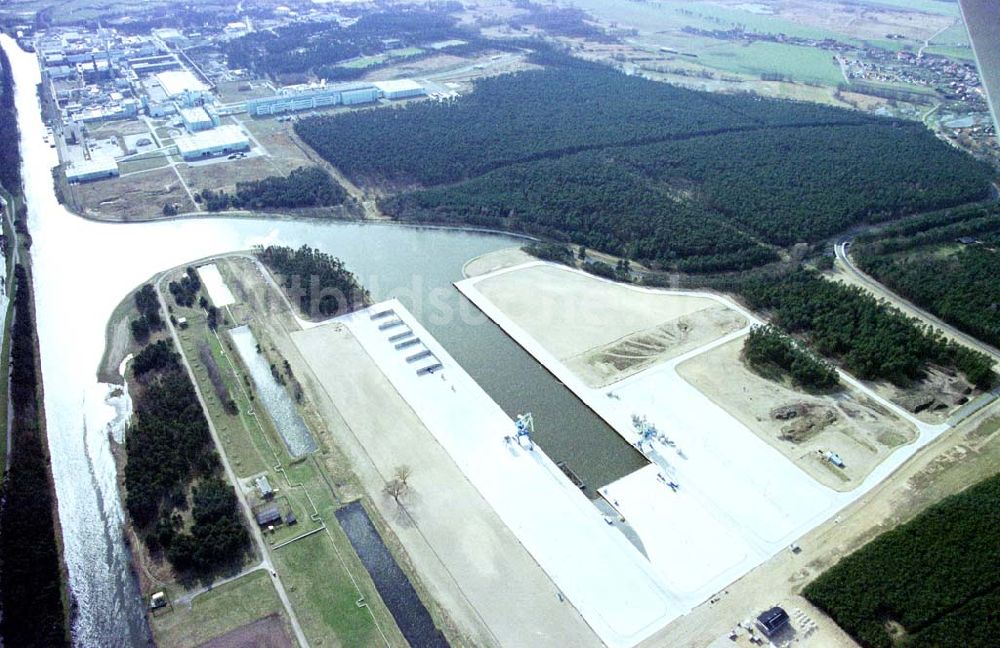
[(198, 119), (400, 89), (96, 168), (347, 94), (210, 143)]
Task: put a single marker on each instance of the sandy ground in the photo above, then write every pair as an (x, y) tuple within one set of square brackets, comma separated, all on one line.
[(601, 330), (468, 558), (268, 632), (859, 430), (496, 260)]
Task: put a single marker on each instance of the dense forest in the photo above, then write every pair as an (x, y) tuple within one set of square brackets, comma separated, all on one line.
[(924, 262), (303, 187), (317, 47), (319, 284), (169, 451), (870, 339), (774, 355), (677, 178), (938, 576), (33, 611)]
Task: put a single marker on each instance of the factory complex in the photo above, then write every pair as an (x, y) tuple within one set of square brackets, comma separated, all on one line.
[(164, 105)]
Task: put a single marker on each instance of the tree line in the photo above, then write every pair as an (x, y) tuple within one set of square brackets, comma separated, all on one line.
[(33, 610), (31, 585), (303, 187), (870, 339), (936, 576), (318, 284), (169, 453), (955, 281), (10, 156)]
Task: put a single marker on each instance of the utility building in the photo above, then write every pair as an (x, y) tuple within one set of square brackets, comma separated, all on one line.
[(218, 141)]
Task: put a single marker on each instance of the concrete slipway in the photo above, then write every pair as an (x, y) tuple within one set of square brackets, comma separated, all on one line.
[(737, 501), (600, 572)]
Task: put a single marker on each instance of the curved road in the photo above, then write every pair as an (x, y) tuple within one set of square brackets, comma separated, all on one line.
[(841, 250)]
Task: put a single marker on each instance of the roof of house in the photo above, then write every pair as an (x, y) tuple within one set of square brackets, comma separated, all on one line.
[(268, 515)]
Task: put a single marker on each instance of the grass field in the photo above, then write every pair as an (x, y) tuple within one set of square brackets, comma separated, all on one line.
[(143, 164), (803, 64), (323, 595), (218, 611)]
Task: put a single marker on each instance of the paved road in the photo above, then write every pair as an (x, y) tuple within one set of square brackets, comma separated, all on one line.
[(244, 505), (841, 250)]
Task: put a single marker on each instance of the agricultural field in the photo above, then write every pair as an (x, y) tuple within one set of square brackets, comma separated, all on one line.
[(930, 582)]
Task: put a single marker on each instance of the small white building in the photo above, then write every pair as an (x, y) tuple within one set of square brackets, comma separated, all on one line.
[(400, 88), (210, 143)]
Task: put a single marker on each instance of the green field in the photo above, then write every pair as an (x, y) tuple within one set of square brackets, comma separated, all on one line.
[(323, 595), (218, 611), (378, 59), (803, 64), (309, 557)]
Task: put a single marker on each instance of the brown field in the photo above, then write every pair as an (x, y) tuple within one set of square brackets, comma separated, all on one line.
[(268, 632), (139, 196), (225, 174), (800, 425)]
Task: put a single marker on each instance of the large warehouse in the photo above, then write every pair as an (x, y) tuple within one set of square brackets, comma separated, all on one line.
[(400, 89), (347, 94), (210, 143)]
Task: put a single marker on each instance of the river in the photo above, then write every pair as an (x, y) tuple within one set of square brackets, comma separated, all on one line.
[(82, 269)]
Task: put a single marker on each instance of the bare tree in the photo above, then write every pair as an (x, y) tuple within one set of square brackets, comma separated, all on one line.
[(397, 486)]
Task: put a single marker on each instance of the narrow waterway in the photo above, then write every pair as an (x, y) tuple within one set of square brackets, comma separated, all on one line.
[(82, 269), (274, 398)]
